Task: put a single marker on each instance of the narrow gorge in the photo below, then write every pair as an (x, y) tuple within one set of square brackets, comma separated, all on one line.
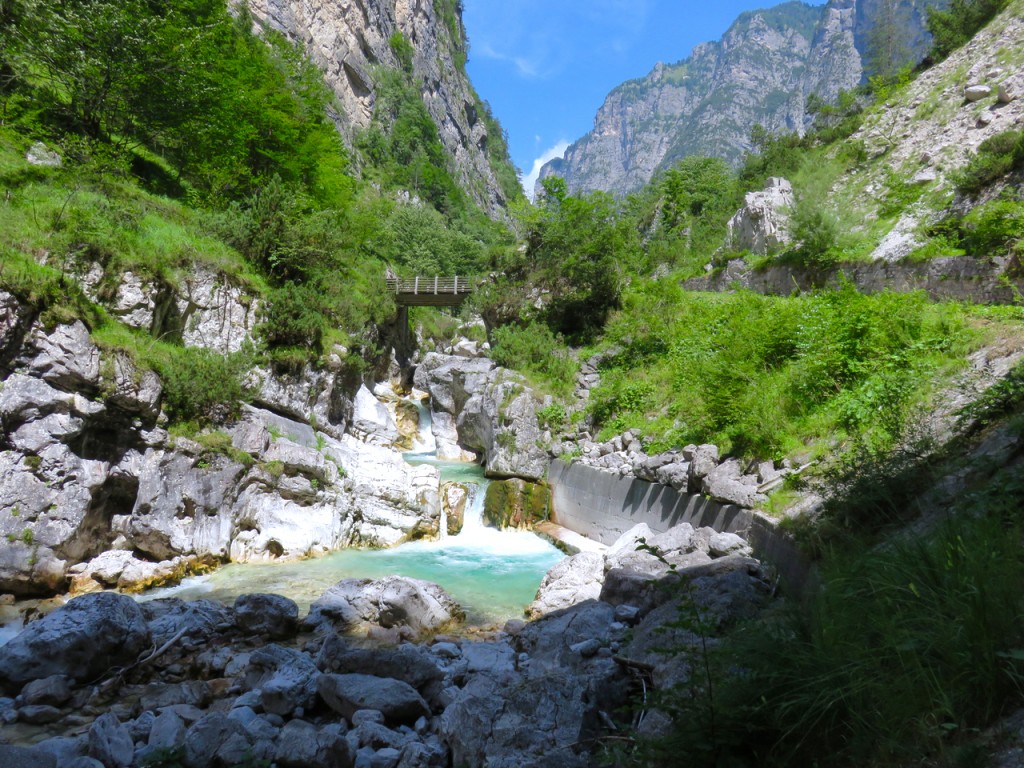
[(260, 657), (322, 445)]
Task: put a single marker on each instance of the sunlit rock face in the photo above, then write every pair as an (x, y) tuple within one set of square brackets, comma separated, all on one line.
[(95, 493), (492, 411)]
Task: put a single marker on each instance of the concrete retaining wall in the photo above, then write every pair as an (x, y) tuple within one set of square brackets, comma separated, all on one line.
[(603, 506)]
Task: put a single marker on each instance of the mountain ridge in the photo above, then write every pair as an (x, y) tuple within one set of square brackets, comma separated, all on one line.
[(760, 72)]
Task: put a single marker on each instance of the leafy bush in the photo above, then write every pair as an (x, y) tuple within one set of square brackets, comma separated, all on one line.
[(295, 318), (955, 25), (200, 385), (417, 240), (993, 228), (403, 50), (901, 650), (552, 416), (533, 349), (762, 376), (576, 251), (996, 157)]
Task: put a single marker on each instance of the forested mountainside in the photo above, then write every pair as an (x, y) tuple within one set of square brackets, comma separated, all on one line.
[(761, 72), (193, 133), (352, 42)]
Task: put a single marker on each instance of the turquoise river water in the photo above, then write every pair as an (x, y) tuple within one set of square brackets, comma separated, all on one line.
[(493, 574)]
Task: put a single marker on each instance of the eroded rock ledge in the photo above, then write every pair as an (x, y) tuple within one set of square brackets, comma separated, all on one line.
[(95, 493)]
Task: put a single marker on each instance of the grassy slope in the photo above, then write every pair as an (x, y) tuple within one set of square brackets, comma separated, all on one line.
[(928, 124)]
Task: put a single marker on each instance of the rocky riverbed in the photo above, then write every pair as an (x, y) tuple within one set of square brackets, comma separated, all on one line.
[(377, 674), (97, 495)]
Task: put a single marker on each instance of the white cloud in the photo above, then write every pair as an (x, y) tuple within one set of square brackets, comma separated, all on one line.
[(529, 181)]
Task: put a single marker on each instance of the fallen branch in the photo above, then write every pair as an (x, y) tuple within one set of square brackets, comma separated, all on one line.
[(119, 676)]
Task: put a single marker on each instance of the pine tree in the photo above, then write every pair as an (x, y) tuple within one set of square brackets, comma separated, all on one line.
[(888, 41)]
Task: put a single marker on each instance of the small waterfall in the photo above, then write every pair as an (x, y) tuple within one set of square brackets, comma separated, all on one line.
[(424, 441), (473, 520), (443, 532)]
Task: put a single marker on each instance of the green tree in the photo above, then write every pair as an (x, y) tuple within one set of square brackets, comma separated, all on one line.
[(888, 41), (577, 249), (121, 71), (953, 27)]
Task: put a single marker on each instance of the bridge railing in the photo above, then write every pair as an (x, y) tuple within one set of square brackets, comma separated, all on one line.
[(436, 285)]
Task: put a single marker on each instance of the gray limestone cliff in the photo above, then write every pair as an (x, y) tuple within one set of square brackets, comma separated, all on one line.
[(348, 40), (760, 72)]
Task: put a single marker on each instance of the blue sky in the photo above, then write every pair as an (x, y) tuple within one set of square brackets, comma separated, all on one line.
[(545, 66)]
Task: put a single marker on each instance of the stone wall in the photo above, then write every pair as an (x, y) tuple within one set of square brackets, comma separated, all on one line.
[(997, 280)]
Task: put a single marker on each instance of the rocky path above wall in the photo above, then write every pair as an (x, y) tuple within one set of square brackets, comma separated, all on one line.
[(994, 280)]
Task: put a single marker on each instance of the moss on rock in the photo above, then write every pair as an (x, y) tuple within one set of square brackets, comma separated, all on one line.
[(516, 503)]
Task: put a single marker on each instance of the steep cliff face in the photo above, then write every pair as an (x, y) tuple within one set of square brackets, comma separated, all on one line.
[(760, 72), (349, 39)]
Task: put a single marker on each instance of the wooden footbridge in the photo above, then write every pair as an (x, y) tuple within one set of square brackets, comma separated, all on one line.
[(431, 291)]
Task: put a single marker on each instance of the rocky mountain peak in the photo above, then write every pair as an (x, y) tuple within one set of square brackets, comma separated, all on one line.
[(761, 72)]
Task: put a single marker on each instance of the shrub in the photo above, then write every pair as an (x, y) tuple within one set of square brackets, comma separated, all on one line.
[(403, 50), (552, 416), (996, 157), (993, 228), (956, 25), (899, 651), (294, 318), (201, 385), (534, 349), (762, 376)]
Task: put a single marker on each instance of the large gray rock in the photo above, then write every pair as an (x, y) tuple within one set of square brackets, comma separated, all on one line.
[(371, 420), (194, 693), (311, 394), (110, 742), (394, 601), (64, 357), (183, 506), (167, 732), (703, 459), (41, 155), (82, 640), (676, 474), (272, 615), (285, 678), (215, 312), (135, 391), (761, 226), (726, 484), (570, 581), (346, 694), (54, 690), (348, 41), (411, 664), (392, 500), (493, 411), (977, 92), (301, 744), (14, 319), (216, 740), (200, 619), (1012, 88)]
